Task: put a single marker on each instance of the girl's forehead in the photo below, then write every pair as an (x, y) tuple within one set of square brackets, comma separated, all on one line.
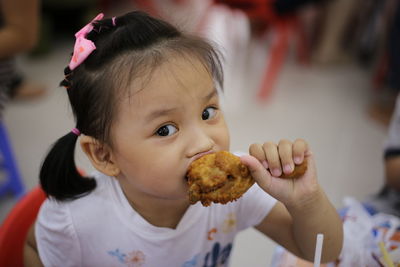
[(176, 87), (175, 78)]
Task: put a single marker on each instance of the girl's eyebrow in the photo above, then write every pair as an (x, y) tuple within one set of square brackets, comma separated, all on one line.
[(159, 113), (164, 112), (210, 95)]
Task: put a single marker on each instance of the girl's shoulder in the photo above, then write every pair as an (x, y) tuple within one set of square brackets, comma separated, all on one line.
[(91, 203), (67, 224)]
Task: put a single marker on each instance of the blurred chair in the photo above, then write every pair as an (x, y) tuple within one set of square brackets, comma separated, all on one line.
[(381, 73), (15, 228), (286, 28), (148, 6), (151, 7), (12, 182)]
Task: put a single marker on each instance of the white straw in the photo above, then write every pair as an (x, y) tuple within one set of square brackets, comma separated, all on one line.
[(318, 250)]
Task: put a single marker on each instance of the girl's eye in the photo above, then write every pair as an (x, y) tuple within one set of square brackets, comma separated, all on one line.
[(166, 130), (209, 113)]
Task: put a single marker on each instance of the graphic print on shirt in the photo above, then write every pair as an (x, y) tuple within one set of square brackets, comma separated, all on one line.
[(118, 254), (210, 234), (227, 226), (135, 258), (192, 262), (230, 223), (218, 256)]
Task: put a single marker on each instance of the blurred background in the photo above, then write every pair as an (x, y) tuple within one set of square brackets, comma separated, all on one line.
[(322, 70)]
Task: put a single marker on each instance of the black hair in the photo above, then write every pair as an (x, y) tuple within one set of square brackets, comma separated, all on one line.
[(135, 45)]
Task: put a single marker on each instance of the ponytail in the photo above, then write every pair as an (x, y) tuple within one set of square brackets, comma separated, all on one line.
[(59, 176)]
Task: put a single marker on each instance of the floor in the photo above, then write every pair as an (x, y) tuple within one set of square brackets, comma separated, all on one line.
[(327, 106)]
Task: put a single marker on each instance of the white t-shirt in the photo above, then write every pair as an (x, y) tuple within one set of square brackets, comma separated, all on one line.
[(102, 229)]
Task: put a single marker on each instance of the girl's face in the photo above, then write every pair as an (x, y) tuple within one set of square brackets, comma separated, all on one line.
[(163, 127)]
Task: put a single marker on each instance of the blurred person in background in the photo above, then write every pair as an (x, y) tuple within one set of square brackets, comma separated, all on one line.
[(19, 20), (391, 85), (388, 199), (337, 16), (386, 64), (394, 54)]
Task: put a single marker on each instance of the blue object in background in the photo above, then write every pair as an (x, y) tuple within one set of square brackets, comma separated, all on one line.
[(12, 182)]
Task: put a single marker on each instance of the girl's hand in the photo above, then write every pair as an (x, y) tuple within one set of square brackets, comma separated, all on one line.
[(268, 161)]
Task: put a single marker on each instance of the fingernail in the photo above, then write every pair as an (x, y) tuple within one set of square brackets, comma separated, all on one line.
[(297, 160), (276, 172), (287, 168), (265, 164)]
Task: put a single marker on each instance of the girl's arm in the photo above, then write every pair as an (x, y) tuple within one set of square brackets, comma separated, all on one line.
[(297, 230), (303, 210), (31, 254)]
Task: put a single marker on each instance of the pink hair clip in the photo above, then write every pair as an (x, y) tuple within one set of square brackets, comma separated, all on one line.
[(83, 47), (76, 131)]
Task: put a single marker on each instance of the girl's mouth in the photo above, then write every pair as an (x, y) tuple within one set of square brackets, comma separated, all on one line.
[(197, 156)]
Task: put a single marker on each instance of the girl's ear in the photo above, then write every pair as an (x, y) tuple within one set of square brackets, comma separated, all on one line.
[(100, 155)]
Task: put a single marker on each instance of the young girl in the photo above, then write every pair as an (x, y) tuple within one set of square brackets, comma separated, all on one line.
[(145, 98)]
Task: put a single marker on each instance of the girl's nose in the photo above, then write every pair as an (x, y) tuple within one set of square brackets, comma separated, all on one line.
[(199, 142)]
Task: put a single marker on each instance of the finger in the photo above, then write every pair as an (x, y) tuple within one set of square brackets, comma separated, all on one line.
[(285, 153), (272, 155), (257, 171), (300, 148), (257, 151), (311, 163), (311, 172)]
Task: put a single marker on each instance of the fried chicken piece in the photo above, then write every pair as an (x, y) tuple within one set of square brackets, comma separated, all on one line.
[(220, 178)]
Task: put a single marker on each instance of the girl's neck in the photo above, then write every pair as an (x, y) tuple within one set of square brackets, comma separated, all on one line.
[(158, 212), (166, 214)]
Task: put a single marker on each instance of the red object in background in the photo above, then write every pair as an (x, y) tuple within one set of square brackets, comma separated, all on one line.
[(259, 10), (15, 227), (286, 29), (148, 6), (381, 72), (262, 13)]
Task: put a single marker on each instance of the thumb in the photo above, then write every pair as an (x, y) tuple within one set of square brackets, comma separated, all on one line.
[(257, 171)]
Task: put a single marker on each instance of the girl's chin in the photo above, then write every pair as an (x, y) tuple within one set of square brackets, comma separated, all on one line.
[(180, 199), (184, 194)]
